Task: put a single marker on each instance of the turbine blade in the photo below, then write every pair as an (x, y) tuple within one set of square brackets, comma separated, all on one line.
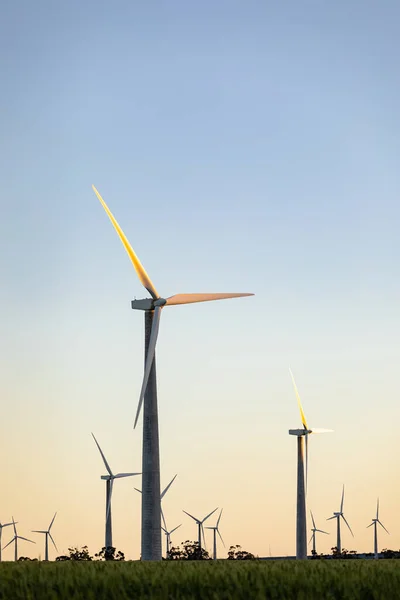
[(125, 475), (204, 537), (209, 515), (10, 542), (165, 490), (330, 518), (321, 531), (52, 521), (163, 518), (219, 518), (109, 498), (190, 298), (14, 523), (38, 531), (310, 540), (149, 358), (319, 430), (103, 457), (164, 530), (6, 524), (341, 504), (382, 525), (312, 518), (377, 510), (221, 538), (344, 519), (370, 525), (140, 491), (296, 391), (54, 544), (175, 528), (189, 515), (140, 270), (26, 539)]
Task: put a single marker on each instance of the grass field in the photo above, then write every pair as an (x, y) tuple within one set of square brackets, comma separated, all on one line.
[(233, 580)]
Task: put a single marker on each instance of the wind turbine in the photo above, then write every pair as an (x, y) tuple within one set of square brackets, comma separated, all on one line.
[(375, 524), (152, 307), (1, 533), (337, 515), (215, 531), (301, 522), (47, 535), (109, 479), (15, 539), (165, 490), (200, 525), (314, 530), (168, 536)]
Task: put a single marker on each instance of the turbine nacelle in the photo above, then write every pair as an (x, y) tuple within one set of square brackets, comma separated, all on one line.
[(299, 432), (148, 303)]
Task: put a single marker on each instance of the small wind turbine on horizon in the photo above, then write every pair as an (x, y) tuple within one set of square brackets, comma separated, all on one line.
[(109, 479), (337, 515), (215, 531), (47, 535), (168, 536), (152, 307), (1, 532), (314, 530), (301, 520), (375, 524), (15, 539), (165, 490), (200, 526)]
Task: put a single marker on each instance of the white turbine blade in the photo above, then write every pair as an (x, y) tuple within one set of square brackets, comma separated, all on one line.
[(321, 531), (109, 498), (204, 536), (26, 539), (52, 521), (175, 528), (296, 391), (312, 518), (54, 544), (125, 475), (310, 540), (219, 518), (221, 538), (149, 358), (344, 519), (190, 298), (191, 516), (165, 490), (6, 524), (341, 504), (14, 523), (377, 510), (319, 430), (209, 515), (10, 542), (37, 531), (382, 525), (140, 270), (102, 456)]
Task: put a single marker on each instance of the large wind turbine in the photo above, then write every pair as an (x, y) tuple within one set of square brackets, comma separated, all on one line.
[(337, 515), (165, 490), (15, 539), (47, 535), (301, 521), (215, 531), (1, 533), (314, 531), (200, 525), (168, 536), (151, 521), (375, 524), (109, 489)]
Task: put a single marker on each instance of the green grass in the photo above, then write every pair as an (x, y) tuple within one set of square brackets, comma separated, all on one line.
[(233, 580)]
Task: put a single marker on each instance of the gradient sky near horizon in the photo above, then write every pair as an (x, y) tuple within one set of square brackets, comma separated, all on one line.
[(242, 146)]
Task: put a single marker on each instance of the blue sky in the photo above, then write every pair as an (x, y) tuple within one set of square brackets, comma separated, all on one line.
[(242, 147)]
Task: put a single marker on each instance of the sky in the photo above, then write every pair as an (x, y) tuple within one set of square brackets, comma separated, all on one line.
[(243, 147)]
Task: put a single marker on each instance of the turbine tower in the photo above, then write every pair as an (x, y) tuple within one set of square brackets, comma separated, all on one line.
[(337, 515), (375, 524), (168, 536), (47, 535), (109, 479), (15, 539), (152, 307), (215, 531), (165, 490), (314, 530), (1, 533), (200, 525), (301, 521)]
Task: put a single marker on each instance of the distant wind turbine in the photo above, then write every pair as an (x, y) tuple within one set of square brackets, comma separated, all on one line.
[(1, 533), (47, 535), (215, 531), (165, 490), (314, 530), (301, 522), (375, 524), (200, 525), (168, 536), (15, 539), (337, 515), (152, 307), (109, 479)]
